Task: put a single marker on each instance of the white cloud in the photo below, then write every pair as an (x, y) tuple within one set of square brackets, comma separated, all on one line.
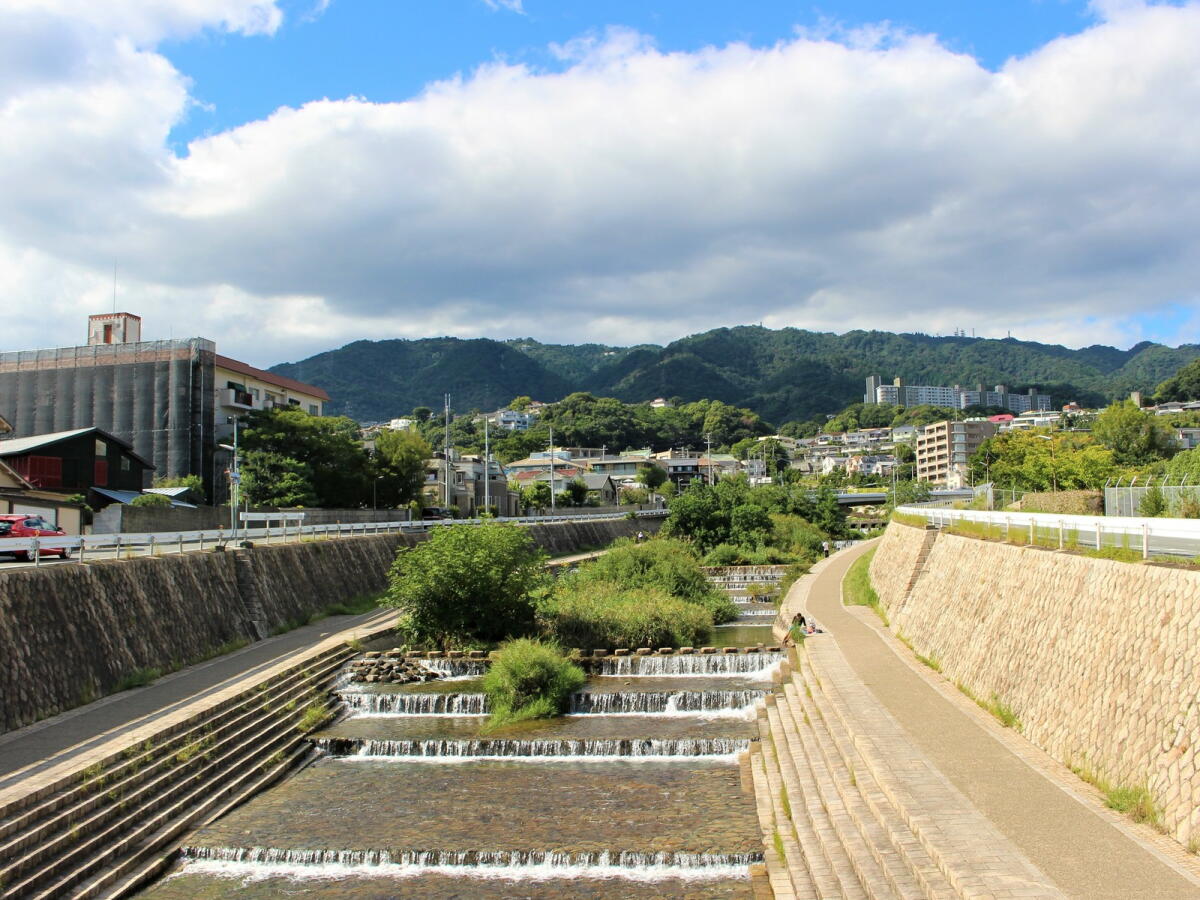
[(872, 179), (510, 5)]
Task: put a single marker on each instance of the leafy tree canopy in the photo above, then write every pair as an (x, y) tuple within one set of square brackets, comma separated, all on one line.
[(331, 461), (1135, 437)]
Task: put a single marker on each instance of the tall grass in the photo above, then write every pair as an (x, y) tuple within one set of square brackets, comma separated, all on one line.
[(857, 588), (603, 614)]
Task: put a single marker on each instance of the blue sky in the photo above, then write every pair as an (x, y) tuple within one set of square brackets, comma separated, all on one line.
[(388, 51), (287, 176)]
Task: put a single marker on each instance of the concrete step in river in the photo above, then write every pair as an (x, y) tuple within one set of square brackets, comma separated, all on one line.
[(642, 791)]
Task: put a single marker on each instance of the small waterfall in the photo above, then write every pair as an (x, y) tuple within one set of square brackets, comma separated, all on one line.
[(474, 858), (706, 664), (757, 611), (533, 749), (456, 668), (413, 704), (639, 702)]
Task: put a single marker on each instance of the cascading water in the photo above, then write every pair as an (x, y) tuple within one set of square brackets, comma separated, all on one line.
[(533, 749), (414, 704), (641, 702), (657, 738), (705, 664)]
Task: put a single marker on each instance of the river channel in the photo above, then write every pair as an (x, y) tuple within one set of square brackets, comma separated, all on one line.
[(640, 791)]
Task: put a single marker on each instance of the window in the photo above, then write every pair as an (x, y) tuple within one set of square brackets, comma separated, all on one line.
[(312, 409), (125, 464), (101, 448)]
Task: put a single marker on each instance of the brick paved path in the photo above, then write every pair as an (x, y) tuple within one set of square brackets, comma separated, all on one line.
[(1064, 832)]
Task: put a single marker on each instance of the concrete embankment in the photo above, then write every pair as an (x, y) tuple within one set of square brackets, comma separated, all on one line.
[(1098, 660), (71, 633)]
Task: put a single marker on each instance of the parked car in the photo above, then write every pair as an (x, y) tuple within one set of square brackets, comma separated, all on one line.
[(432, 513), (18, 526)]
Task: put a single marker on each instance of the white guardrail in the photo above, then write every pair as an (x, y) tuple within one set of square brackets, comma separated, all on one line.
[(1149, 536), (112, 546)]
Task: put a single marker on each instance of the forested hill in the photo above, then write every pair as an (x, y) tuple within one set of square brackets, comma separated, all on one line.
[(784, 375)]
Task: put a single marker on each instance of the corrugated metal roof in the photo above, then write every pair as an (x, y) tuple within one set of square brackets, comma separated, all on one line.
[(17, 446), (130, 496)]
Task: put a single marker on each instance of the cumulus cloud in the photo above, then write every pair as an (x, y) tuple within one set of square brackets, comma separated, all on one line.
[(866, 179)]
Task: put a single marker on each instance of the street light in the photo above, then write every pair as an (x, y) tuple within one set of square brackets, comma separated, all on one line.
[(1053, 467)]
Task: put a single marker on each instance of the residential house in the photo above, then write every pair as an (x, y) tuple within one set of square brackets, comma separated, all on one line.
[(76, 462)]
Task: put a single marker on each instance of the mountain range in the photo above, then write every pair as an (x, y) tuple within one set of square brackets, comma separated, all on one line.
[(784, 375)]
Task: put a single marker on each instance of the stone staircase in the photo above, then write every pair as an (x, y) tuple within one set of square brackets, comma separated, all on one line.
[(104, 830), (858, 819)]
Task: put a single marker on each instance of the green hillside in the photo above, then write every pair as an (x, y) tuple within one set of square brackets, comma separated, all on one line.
[(787, 374)]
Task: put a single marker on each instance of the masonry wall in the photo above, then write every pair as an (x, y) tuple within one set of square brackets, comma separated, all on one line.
[(1100, 660), (70, 633)]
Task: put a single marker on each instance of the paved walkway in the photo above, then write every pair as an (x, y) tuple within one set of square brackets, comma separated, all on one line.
[(54, 742), (1068, 838)]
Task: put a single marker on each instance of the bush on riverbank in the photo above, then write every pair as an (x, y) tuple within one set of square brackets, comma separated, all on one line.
[(659, 564), (529, 679), (467, 584), (591, 614)]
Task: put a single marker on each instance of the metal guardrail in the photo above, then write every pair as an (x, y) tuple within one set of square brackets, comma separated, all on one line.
[(1150, 537), (112, 546)]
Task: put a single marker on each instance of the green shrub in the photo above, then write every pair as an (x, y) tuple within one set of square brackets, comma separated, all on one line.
[(791, 576), (467, 584), (662, 564), (596, 614), (137, 678), (160, 500), (725, 555), (529, 679)]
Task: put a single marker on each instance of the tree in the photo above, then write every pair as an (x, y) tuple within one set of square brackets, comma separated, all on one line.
[(1182, 386), (574, 493), (467, 584), (749, 525), (272, 479), (520, 404), (651, 476), (328, 450), (422, 414), (1135, 436), (400, 458), (536, 495)]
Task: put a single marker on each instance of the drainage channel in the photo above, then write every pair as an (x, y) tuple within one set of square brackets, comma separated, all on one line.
[(639, 791)]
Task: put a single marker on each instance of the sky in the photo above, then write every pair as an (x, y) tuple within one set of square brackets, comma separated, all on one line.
[(286, 176)]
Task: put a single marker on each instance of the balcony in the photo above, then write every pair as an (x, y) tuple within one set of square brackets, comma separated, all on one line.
[(235, 399)]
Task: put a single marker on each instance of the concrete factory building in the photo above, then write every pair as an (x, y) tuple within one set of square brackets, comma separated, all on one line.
[(173, 401)]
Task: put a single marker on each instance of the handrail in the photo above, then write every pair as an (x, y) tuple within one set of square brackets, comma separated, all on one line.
[(177, 540), (1172, 537)]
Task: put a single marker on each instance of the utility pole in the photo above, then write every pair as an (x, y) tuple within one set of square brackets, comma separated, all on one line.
[(708, 453), (446, 452), (487, 469), (235, 482), (552, 468)]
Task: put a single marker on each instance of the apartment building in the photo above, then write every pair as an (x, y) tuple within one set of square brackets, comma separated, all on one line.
[(944, 448), (954, 397)]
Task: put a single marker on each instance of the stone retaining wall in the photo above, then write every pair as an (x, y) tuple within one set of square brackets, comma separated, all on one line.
[(70, 633), (1099, 660)]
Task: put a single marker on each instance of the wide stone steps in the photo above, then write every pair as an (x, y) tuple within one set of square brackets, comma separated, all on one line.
[(878, 817), (837, 877), (846, 833), (86, 834), (874, 859), (788, 875)]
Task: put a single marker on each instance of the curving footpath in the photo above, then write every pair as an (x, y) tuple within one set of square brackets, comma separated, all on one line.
[(878, 781)]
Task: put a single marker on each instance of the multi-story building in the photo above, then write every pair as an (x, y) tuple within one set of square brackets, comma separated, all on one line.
[(944, 448), (956, 397), (170, 400)]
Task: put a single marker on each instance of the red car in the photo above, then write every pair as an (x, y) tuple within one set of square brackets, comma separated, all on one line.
[(18, 526)]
